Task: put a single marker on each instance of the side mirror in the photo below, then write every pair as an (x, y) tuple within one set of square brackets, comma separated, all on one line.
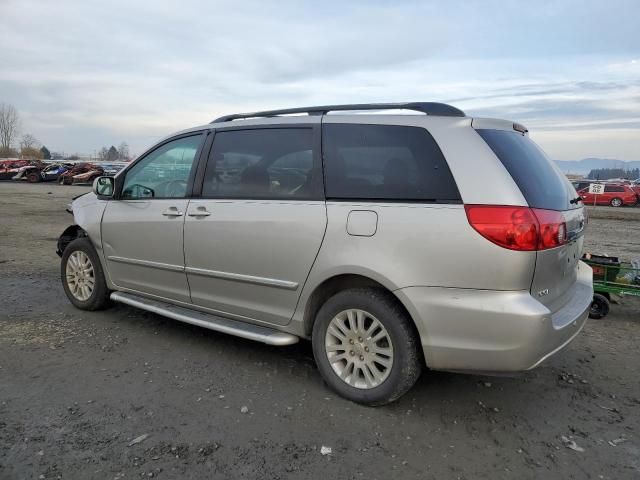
[(103, 186)]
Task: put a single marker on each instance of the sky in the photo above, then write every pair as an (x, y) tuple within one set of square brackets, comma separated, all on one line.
[(84, 74)]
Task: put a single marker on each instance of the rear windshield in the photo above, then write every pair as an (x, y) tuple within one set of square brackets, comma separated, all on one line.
[(539, 180)]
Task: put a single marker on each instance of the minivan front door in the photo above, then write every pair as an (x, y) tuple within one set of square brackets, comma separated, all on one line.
[(252, 237), (142, 230)]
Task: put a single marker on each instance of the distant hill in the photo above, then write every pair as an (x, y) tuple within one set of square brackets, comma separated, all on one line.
[(585, 165)]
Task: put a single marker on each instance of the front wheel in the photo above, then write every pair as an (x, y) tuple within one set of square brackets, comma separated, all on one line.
[(616, 202), (365, 346), (599, 306), (82, 276)]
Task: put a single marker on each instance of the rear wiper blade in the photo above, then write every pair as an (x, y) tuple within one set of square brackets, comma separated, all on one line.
[(575, 200)]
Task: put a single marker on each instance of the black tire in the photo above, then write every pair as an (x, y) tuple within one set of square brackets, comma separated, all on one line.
[(407, 355), (33, 177), (616, 202), (599, 306), (99, 298)]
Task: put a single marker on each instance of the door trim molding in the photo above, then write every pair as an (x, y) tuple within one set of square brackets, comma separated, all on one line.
[(146, 263), (239, 277)]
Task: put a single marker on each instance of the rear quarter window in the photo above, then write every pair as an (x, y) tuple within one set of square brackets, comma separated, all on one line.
[(542, 184), (385, 162)]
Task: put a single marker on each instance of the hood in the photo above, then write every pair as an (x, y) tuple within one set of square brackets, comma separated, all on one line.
[(81, 201)]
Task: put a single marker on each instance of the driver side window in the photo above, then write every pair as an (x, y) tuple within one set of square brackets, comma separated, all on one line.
[(164, 173)]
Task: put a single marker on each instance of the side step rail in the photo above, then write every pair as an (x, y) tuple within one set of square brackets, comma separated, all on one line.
[(249, 331)]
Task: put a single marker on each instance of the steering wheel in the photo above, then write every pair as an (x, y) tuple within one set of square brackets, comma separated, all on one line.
[(173, 188)]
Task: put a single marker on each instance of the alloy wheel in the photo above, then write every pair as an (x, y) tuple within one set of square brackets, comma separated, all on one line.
[(359, 349), (80, 275)]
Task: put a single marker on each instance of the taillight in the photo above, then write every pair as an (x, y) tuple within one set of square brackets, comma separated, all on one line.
[(518, 228), (515, 228), (552, 228)]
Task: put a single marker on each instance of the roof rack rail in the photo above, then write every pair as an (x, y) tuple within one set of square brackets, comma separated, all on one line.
[(430, 108)]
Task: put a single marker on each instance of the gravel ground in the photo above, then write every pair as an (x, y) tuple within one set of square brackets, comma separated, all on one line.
[(127, 394), (614, 231)]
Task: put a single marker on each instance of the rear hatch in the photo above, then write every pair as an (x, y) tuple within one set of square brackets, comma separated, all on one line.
[(548, 192)]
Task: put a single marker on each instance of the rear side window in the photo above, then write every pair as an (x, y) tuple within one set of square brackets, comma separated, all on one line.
[(385, 162), (580, 185), (541, 183), (613, 188)]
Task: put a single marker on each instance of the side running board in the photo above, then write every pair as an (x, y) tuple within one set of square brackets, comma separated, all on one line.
[(249, 331)]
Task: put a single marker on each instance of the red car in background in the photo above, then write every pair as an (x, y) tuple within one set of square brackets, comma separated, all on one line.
[(615, 195), (81, 173), (8, 168)]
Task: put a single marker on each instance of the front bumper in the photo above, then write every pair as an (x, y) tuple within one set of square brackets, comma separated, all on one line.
[(494, 331)]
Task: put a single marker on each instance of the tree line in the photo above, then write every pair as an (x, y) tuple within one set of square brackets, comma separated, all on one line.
[(113, 154), (27, 146), (607, 173)]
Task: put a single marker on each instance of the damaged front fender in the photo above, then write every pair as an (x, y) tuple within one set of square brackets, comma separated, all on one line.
[(69, 235)]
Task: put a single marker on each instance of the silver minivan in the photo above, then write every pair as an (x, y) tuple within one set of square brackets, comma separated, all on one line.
[(393, 242)]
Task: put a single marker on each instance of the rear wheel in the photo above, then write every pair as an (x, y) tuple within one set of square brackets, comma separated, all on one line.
[(33, 177), (82, 276), (599, 306), (365, 346), (616, 202)]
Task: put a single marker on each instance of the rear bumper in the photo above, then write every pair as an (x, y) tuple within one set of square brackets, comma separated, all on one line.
[(495, 331)]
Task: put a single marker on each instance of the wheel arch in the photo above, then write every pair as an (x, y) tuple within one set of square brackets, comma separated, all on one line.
[(69, 235), (332, 285)]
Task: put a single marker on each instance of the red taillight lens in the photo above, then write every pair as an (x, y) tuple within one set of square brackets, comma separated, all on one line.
[(518, 228), (515, 228), (553, 229)]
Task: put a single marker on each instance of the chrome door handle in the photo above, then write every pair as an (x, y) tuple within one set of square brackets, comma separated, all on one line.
[(199, 213), (172, 212)]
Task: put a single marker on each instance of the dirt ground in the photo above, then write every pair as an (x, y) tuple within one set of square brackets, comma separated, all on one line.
[(78, 389)]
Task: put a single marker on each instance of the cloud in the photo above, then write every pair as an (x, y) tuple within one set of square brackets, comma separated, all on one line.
[(86, 74)]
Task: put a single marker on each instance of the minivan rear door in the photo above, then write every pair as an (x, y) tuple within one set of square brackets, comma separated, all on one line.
[(544, 187), (254, 229)]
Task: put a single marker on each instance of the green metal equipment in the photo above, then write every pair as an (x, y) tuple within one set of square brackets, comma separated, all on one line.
[(611, 277)]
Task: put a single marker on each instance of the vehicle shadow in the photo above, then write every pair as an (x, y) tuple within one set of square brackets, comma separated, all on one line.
[(295, 363)]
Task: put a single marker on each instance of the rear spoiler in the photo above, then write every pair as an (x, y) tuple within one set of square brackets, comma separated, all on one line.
[(498, 124)]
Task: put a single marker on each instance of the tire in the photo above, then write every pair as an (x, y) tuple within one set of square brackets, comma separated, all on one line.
[(33, 177), (76, 252), (405, 356), (599, 306), (616, 202), (60, 180)]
